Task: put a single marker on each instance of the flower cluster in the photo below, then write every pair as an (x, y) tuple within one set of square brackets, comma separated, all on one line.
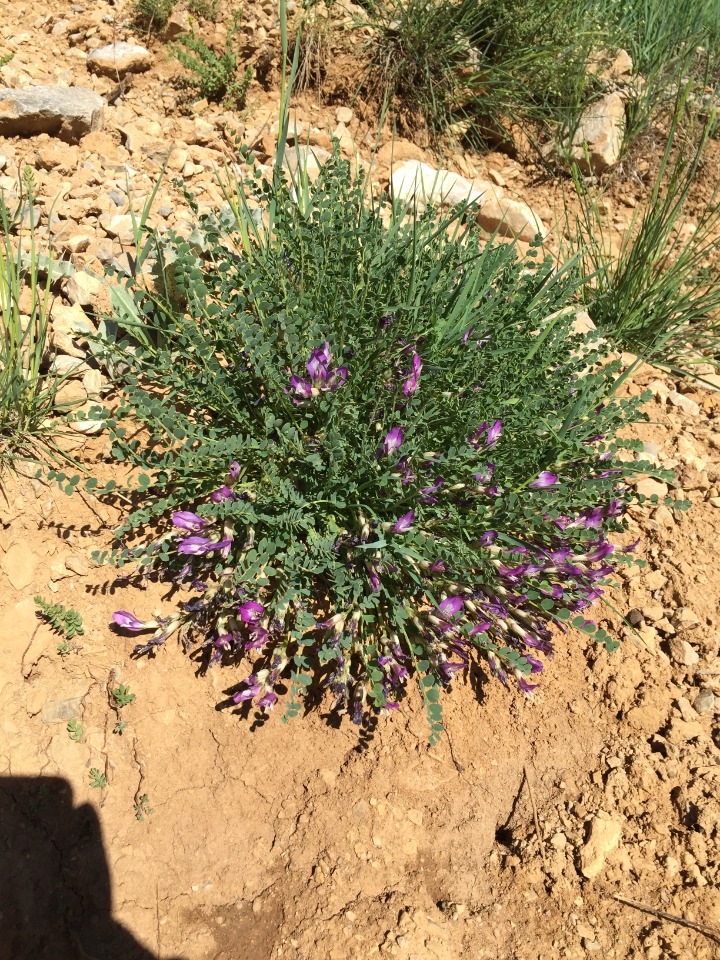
[(322, 376)]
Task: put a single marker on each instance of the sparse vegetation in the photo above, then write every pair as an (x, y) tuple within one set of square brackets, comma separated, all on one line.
[(153, 15), (214, 75), (658, 294), (66, 621)]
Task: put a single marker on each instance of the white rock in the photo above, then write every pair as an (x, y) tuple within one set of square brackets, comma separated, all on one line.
[(600, 134), (510, 218), (414, 180), (604, 837), (343, 115), (117, 59), (66, 112), (682, 653), (83, 289), (683, 403)]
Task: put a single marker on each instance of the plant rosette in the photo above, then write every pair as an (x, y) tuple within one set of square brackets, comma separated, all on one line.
[(376, 450)]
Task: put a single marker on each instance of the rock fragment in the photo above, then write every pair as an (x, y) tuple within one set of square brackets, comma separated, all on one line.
[(117, 59), (603, 839), (65, 112), (599, 137)]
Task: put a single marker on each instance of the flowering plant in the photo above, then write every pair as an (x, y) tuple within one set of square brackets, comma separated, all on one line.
[(375, 449)]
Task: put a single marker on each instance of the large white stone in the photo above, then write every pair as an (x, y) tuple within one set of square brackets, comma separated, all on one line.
[(117, 59)]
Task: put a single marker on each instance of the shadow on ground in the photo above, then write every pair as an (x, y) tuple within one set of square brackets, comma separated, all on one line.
[(55, 892)]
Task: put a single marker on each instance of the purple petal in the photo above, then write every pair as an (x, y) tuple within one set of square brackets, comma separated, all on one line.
[(186, 520), (249, 693), (194, 545), (494, 433), (490, 536), (544, 479), (234, 470), (250, 611), (222, 493), (451, 606), (302, 387), (405, 522), (393, 440), (128, 622), (268, 701)]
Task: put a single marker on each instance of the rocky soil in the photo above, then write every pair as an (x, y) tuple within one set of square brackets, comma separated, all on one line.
[(218, 837)]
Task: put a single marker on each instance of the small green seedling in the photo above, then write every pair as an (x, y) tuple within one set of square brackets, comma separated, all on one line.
[(122, 696), (143, 808), (98, 781), (119, 727), (68, 622), (75, 731)]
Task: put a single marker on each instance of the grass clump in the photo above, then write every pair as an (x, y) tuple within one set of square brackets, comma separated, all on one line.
[(487, 70), (658, 294), (214, 75), (27, 393), (374, 450)]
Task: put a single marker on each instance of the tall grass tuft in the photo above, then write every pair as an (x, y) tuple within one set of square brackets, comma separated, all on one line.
[(659, 294), (27, 395)]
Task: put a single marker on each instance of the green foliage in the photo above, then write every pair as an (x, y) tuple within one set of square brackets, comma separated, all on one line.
[(75, 731), (68, 622), (5, 58), (120, 727), (153, 15), (143, 808), (98, 780), (476, 68), (215, 75), (314, 378), (205, 9), (659, 295), (122, 696), (27, 393)]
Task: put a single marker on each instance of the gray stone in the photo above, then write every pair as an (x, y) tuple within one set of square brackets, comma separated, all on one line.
[(65, 112), (705, 703), (55, 711), (117, 59)]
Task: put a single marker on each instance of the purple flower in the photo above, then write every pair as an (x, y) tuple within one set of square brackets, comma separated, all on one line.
[(405, 522), (494, 433), (317, 365), (535, 664), (449, 670), (302, 387), (250, 611), (544, 479), (260, 637), (631, 548), (249, 693), (393, 440), (451, 606), (268, 701), (200, 545), (234, 470), (374, 579), (222, 493), (128, 622), (526, 688), (490, 536), (186, 520)]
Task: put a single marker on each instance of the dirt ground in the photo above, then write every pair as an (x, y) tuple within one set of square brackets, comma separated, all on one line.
[(221, 836)]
